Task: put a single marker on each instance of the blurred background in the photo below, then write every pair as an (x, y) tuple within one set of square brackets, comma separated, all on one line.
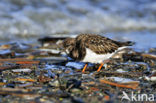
[(118, 19)]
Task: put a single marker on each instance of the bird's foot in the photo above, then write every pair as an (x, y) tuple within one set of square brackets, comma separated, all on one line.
[(84, 68), (101, 65)]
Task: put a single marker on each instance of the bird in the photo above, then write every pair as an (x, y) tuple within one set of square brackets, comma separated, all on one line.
[(92, 48)]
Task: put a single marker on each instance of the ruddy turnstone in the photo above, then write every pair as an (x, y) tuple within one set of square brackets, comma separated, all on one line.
[(93, 48)]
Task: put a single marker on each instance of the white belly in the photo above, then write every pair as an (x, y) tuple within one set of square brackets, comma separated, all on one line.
[(92, 57)]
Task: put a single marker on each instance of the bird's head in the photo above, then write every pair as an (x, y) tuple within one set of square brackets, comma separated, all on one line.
[(68, 44)]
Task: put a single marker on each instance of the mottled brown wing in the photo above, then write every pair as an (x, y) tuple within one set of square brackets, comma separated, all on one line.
[(99, 44)]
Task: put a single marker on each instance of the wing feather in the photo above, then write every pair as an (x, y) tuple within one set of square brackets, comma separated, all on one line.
[(97, 43)]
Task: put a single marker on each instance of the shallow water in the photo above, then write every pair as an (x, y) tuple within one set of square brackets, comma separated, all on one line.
[(41, 17), (143, 40)]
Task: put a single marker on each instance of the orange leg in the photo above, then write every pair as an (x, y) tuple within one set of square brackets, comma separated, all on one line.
[(104, 62), (100, 67), (84, 68)]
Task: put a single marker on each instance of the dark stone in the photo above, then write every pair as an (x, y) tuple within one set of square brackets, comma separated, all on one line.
[(75, 83)]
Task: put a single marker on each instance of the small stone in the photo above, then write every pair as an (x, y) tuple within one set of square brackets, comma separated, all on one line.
[(73, 83)]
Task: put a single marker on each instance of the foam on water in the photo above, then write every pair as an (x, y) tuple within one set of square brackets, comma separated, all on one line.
[(36, 17)]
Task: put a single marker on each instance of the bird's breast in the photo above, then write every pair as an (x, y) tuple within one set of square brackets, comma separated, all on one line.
[(92, 57)]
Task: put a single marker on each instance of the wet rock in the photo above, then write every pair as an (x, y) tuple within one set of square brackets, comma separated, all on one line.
[(43, 79), (5, 46), (133, 57), (48, 41), (25, 85), (22, 70), (21, 47), (77, 100), (10, 85), (54, 83), (58, 79), (50, 74), (7, 54), (75, 65), (73, 83), (52, 59)]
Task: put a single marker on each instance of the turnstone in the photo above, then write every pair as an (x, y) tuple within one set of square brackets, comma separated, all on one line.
[(93, 48)]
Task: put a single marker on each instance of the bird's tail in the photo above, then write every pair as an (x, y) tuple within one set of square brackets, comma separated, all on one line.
[(128, 43)]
